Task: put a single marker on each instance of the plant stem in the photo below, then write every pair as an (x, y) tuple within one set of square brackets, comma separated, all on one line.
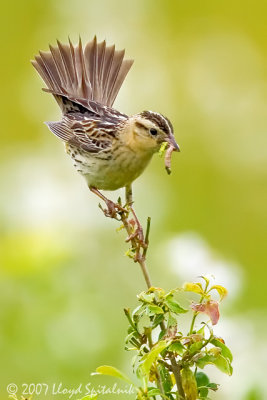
[(144, 269), (193, 322), (177, 375), (195, 312), (176, 370)]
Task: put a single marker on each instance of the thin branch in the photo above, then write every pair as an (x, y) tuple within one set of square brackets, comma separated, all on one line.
[(177, 375), (147, 235), (139, 245), (196, 312)]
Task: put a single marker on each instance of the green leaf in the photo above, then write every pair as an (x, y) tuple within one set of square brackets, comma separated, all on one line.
[(153, 392), (193, 287), (189, 384), (206, 280), (221, 291), (195, 347), (177, 347), (213, 386), (221, 363), (157, 320), (174, 306), (202, 379), (90, 397), (171, 321), (129, 337), (152, 309), (112, 371), (226, 352), (165, 378), (162, 333), (202, 383), (203, 393), (137, 309), (150, 357), (146, 297), (201, 331), (159, 292)]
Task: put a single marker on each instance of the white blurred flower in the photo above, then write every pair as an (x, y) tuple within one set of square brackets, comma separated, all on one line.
[(190, 256)]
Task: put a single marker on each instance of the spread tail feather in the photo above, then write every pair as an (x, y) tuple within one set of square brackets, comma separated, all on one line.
[(95, 72)]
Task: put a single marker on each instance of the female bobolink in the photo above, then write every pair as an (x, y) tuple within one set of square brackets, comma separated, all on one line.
[(108, 148)]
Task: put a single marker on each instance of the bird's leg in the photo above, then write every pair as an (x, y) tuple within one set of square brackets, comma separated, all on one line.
[(112, 208), (129, 195)]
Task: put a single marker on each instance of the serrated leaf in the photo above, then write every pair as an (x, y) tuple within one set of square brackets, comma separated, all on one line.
[(219, 361), (150, 357), (152, 309), (221, 291), (174, 306), (226, 352), (112, 371), (193, 287)]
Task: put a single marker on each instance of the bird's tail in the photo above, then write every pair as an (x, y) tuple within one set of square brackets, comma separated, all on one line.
[(95, 72)]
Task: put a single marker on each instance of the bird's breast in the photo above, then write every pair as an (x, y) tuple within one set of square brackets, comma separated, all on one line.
[(109, 170)]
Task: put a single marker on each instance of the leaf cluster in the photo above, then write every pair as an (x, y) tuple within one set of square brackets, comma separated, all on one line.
[(168, 357)]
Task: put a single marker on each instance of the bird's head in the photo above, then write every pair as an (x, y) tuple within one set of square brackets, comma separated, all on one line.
[(149, 130)]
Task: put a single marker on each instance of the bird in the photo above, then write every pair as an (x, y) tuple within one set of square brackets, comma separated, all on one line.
[(109, 148)]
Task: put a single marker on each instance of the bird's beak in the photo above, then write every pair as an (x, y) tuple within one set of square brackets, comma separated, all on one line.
[(171, 140)]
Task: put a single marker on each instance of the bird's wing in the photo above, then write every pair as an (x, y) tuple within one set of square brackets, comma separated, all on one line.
[(91, 135)]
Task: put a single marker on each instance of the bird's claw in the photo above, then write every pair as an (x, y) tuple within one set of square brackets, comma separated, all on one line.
[(113, 209)]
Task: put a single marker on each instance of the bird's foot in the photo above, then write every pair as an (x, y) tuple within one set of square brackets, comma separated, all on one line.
[(113, 210)]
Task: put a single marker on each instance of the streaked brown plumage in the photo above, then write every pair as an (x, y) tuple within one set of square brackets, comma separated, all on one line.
[(108, 148)]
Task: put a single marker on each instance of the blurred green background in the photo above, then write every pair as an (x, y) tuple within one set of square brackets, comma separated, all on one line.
[(63, 277)]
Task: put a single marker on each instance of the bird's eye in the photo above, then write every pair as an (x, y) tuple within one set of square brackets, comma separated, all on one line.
[(153, 131)]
